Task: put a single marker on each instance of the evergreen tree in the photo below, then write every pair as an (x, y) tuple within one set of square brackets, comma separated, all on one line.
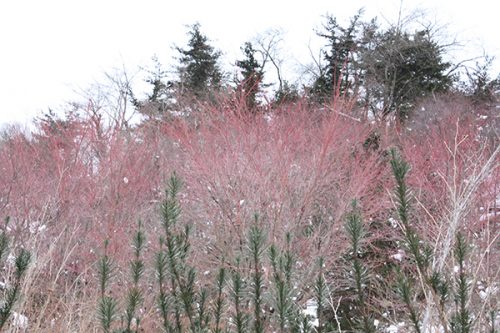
[(401, 67), (289, 93), (199, 72), (158, 101), (387, 70), (252, 73), (481, 87), (339, 69)]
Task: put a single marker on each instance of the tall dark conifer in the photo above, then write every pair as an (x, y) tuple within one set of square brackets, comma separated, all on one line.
[(199, 72), (252, 73)]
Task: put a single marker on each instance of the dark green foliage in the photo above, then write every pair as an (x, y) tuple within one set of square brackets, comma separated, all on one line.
[(252, 72), (4, 243), (420, 252), (22, 262), (355, 231), (404, 290), (461, 320), (106, 313), (435, 284), (157, 101), (320, 293), (238, 284), (372, 142), (12, 292), (161, 276), (403, 67), (440, 287), (256, 240), (335, 77), (107, 307), (203, 317), (480, 86), (492, 321), (135, 297), (289, 93), (177, 289), (199, 72), (104, 269), (219, 303), (170, 207), (404, 283), (392, 68), (282, 293), (181, 276)]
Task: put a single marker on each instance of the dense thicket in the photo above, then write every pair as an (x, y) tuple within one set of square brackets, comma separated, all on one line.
[(365, 201)]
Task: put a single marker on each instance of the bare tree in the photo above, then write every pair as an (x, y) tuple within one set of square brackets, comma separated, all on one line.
[(268, 45)]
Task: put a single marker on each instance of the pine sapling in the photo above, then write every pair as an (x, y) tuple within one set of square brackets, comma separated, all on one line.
[(282, 266), (219, 302), (403, 288), (177, 246), (135, 297), (356, 233), (4, 242), (400, 170), (420, 253), (12, 293), (320, 293), (182, 277), (170, 208), (492, 321), (440, 287), (238, 286), (203, 317), (107, 308), (461, 321), (256, 241), (161, 263)]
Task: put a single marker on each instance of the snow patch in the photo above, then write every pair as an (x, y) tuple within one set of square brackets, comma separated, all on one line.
[(312, 312), (399, 255), (19, 321)]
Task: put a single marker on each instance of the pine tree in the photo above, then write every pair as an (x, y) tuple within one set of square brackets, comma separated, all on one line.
[(289, 93), (158, 101), (199, 71), (481, 87), (252, 73), (401, 67), (336, 75)]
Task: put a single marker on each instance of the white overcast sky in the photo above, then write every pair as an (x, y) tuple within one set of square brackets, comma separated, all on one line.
[(51, 48)]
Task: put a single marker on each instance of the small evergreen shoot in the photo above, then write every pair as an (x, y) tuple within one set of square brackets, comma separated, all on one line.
[(356, 233), (219, 303), (12, 293), (282, 266), (404, 283), (320, 293), (256, 240), (404, 290), (135, 297), (461, 320), (107, 308), (434, 284), (238, 285), (420, 252)]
